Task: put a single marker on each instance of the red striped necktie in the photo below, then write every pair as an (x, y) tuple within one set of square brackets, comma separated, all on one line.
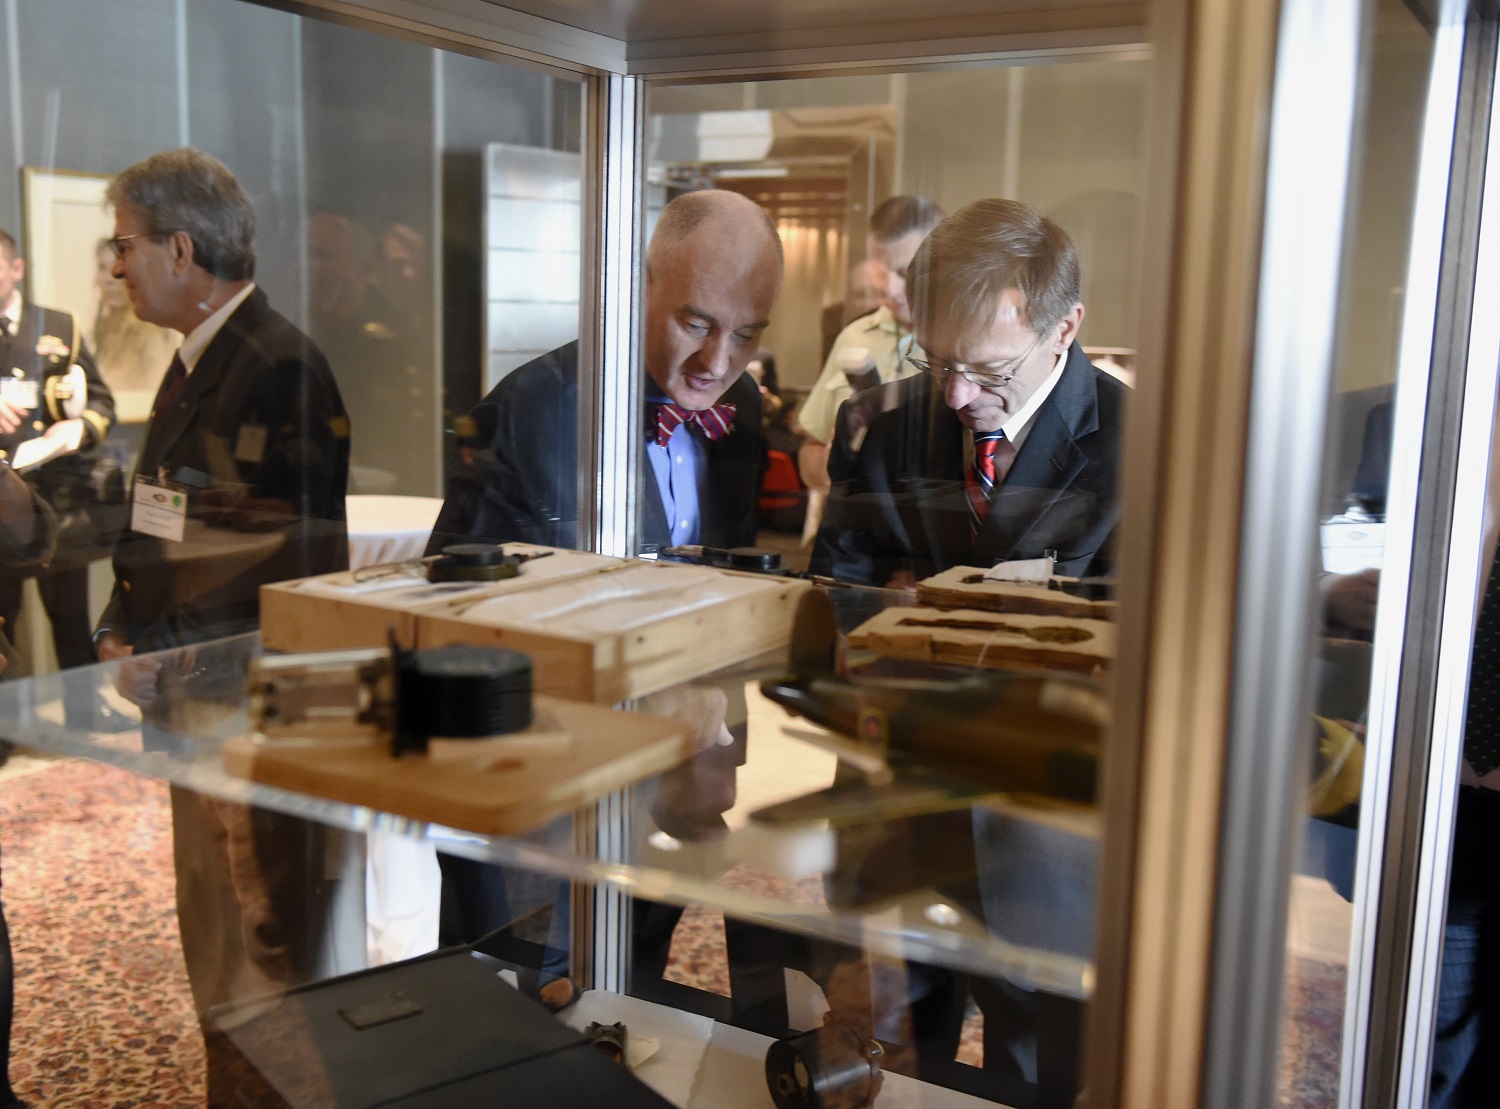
[(715, 422), (993, 457)]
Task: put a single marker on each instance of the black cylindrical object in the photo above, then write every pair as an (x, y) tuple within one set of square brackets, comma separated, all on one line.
[(760, 559), (829, 1068), (460, 693), (474, 562)]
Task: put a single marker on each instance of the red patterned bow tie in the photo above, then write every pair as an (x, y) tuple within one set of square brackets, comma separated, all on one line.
[(715, 422)]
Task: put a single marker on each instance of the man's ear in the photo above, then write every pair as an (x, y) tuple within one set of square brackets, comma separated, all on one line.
[(18, 267), (181, 246), (1068, 329)]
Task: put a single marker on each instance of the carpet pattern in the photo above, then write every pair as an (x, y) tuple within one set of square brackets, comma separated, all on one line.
[(104, 1019), (103, 1014)]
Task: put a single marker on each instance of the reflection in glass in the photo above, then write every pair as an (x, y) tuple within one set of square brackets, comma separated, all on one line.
[(1356, 467)]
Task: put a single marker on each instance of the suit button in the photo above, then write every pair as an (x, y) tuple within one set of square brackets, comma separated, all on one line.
[(38, 425), (125, 587)]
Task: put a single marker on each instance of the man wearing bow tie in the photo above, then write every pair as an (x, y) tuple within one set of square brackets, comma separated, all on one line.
[(713, 270)]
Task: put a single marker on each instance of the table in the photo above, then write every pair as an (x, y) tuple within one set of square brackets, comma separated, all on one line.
[(403, 886)]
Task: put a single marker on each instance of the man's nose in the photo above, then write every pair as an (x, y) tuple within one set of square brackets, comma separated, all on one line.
[(117, 267), (958, 391), (714, 355)]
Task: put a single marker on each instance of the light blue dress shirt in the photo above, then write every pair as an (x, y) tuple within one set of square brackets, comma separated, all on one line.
[(679, 468)]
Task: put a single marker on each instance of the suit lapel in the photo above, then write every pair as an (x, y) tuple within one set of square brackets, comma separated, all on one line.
[(942, 508), (1048, 463), (168, 427)]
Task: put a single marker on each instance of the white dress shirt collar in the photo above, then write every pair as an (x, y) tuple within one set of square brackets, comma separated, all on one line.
[(1018, 426), (11, 312), (198, 339)]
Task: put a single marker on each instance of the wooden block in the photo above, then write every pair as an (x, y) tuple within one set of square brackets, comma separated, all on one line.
[(966, 587), (1002, 641), (633, 630), (332, 611), (487, 794)]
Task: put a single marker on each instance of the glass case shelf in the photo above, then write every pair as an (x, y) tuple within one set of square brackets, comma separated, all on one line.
[(999, 889)]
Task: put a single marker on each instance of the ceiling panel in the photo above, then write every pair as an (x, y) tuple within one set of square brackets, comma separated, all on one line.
[(640, 21), (665, 29)]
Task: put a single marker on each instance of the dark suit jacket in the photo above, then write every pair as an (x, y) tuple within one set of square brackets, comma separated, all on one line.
[(260, 438), (900, 503), (517, 475)]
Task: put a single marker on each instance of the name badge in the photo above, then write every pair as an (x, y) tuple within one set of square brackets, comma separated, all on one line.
[(250, 446), (19, 393), (158, 508)]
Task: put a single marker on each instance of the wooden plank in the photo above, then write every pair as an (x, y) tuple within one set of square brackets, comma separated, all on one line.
[(1002, 641), (605, 750), (333, 611), (598, 629), (966, 587), (637, 629)]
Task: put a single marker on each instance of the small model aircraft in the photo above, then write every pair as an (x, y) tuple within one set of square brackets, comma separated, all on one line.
[(934, 745)]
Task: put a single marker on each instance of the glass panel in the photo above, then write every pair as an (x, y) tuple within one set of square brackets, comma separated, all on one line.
[(281, 333), (856, 172), (1356, 470)]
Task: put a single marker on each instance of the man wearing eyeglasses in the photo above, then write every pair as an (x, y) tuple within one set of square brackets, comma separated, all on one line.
[(240, 482), (1005, 445)]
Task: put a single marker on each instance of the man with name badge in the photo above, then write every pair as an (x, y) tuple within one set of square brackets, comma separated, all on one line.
[(240, 482)]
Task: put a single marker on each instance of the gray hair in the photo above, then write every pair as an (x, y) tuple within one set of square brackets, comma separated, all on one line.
[(187, 190), (973, 256)]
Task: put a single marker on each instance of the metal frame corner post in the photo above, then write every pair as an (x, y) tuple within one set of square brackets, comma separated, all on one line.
[(610, 395), (1222, 452), (613, 275)]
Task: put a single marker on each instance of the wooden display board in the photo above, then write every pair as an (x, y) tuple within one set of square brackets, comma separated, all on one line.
[(999, 640), (630, 631), (597, 629), (966, 587), (571, 756), (334, 611)]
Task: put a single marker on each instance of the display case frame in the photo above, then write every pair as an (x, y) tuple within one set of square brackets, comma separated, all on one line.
[(1208, 690)]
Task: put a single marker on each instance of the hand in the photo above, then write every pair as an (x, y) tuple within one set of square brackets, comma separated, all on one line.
[(137, 678), (69, 431), (701, 706), (11, 417), (903, 581), (1349, 599)]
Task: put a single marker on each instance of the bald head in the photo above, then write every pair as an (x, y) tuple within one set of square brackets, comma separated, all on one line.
[(733, 222), (712, 274)]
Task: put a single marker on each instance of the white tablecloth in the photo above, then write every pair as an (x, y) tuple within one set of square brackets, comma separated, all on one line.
[(389, 529), (403, 885)]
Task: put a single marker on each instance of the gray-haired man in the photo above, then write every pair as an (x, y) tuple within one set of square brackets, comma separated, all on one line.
[(249, 445)]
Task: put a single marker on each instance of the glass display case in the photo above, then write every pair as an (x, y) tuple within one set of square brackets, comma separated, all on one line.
[(1276, 209)]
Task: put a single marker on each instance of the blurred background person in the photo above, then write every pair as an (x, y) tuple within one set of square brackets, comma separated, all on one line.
[(54, 393), (871, 350), (365, 341)]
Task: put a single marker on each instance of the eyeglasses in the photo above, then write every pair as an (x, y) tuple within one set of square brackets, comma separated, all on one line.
[(993, 375), (117, 244)]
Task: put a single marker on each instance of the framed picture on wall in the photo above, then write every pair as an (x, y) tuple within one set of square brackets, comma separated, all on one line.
[(67, 226)]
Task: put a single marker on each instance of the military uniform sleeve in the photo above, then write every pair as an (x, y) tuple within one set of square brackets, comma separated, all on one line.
[(99, 413)]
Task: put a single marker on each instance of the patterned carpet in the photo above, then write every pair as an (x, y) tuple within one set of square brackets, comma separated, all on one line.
[(103, 1015)]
